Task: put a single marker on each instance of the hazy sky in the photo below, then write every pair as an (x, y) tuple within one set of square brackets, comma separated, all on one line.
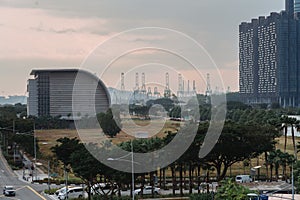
[(62, 34)]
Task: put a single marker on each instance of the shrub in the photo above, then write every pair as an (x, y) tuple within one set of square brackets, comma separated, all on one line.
[(230, 190), (202, 196), (51, 191)]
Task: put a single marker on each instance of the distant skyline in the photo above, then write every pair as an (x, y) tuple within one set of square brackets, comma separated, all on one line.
[(47, 34)]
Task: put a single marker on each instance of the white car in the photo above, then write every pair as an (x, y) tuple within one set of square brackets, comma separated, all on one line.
[(9, 191), (147, 190), (61, 190), (243, 179), (96, 188), (74, 192)]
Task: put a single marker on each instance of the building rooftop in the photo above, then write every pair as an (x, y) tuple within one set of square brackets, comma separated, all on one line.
[(34, 71)]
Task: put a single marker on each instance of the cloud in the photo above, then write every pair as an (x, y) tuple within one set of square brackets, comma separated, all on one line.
[(61, 31), (33, 33), (67, 31)]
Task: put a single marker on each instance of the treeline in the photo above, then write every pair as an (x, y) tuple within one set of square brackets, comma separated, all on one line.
[(238, 142)]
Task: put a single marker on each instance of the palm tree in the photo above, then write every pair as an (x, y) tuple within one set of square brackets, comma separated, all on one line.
[(275, 160), (293, 123), (286, 159), (284, 120)]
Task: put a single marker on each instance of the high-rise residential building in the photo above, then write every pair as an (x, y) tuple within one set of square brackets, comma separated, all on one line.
[(269, 58), (51, 93), (296, 6)]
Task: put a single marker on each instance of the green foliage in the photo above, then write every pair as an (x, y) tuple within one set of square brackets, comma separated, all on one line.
[(246, 115), (27, 143), (278, 158), (236, 143), (49, 122), (9, 112), (143, 145), (111, 126), (297, 176), (234, 105), (83, 164), (51, 191), (202, 196), (175, 112), (65, 148), (101, 197), (230, 190), (167, 103), (205, 112)]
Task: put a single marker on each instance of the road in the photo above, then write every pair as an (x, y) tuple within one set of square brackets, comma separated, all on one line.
[(24, 191)]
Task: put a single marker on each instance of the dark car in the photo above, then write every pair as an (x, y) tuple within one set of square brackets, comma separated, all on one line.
[(9, 191)]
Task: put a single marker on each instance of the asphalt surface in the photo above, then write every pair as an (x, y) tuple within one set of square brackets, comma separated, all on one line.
[(24, 190)]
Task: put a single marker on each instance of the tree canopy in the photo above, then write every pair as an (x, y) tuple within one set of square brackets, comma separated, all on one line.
[(109, 123), (237, 143)]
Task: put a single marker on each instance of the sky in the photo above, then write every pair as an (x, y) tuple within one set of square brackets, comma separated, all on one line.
[(108, 37)]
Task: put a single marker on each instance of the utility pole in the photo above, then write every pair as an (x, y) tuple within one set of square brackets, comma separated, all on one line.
[(34, 146), (14, 145), (49, 175)]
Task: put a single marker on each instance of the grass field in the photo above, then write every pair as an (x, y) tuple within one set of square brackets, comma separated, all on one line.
[(47, 139)]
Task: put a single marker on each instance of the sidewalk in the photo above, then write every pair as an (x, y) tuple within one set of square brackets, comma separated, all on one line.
[(25, 174)]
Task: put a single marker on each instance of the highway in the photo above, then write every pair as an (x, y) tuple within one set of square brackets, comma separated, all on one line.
[(24, 191)]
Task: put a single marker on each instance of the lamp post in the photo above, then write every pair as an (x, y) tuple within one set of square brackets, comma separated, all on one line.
[(132, 166), (49, 175), (132, 170), (293, 190), (256, 168), (34, 148)]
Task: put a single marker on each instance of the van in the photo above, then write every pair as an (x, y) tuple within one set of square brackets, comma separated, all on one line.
[(243, 179), (74, 192)]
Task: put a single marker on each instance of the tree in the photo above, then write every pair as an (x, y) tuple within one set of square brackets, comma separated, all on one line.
[(230, 190), (26, 141), (286, 122), (237, 143), (144, 146), (297, 175), (175, 112), (275, 160), (110, 124), (85, 166), (65, 148), (278, 158), (167, 103)]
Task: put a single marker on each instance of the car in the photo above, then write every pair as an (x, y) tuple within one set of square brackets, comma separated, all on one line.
[(147, 190), (9, 191), (243, 179), (96, 188), (74, 192), (61, 189)]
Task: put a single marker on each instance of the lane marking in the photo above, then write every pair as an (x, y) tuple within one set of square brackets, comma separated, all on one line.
[(20, 188), (39, 195)]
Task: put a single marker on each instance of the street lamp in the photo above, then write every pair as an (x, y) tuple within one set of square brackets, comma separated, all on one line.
[(255, 168), (34, 146), (132, 166), (293, 189)]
